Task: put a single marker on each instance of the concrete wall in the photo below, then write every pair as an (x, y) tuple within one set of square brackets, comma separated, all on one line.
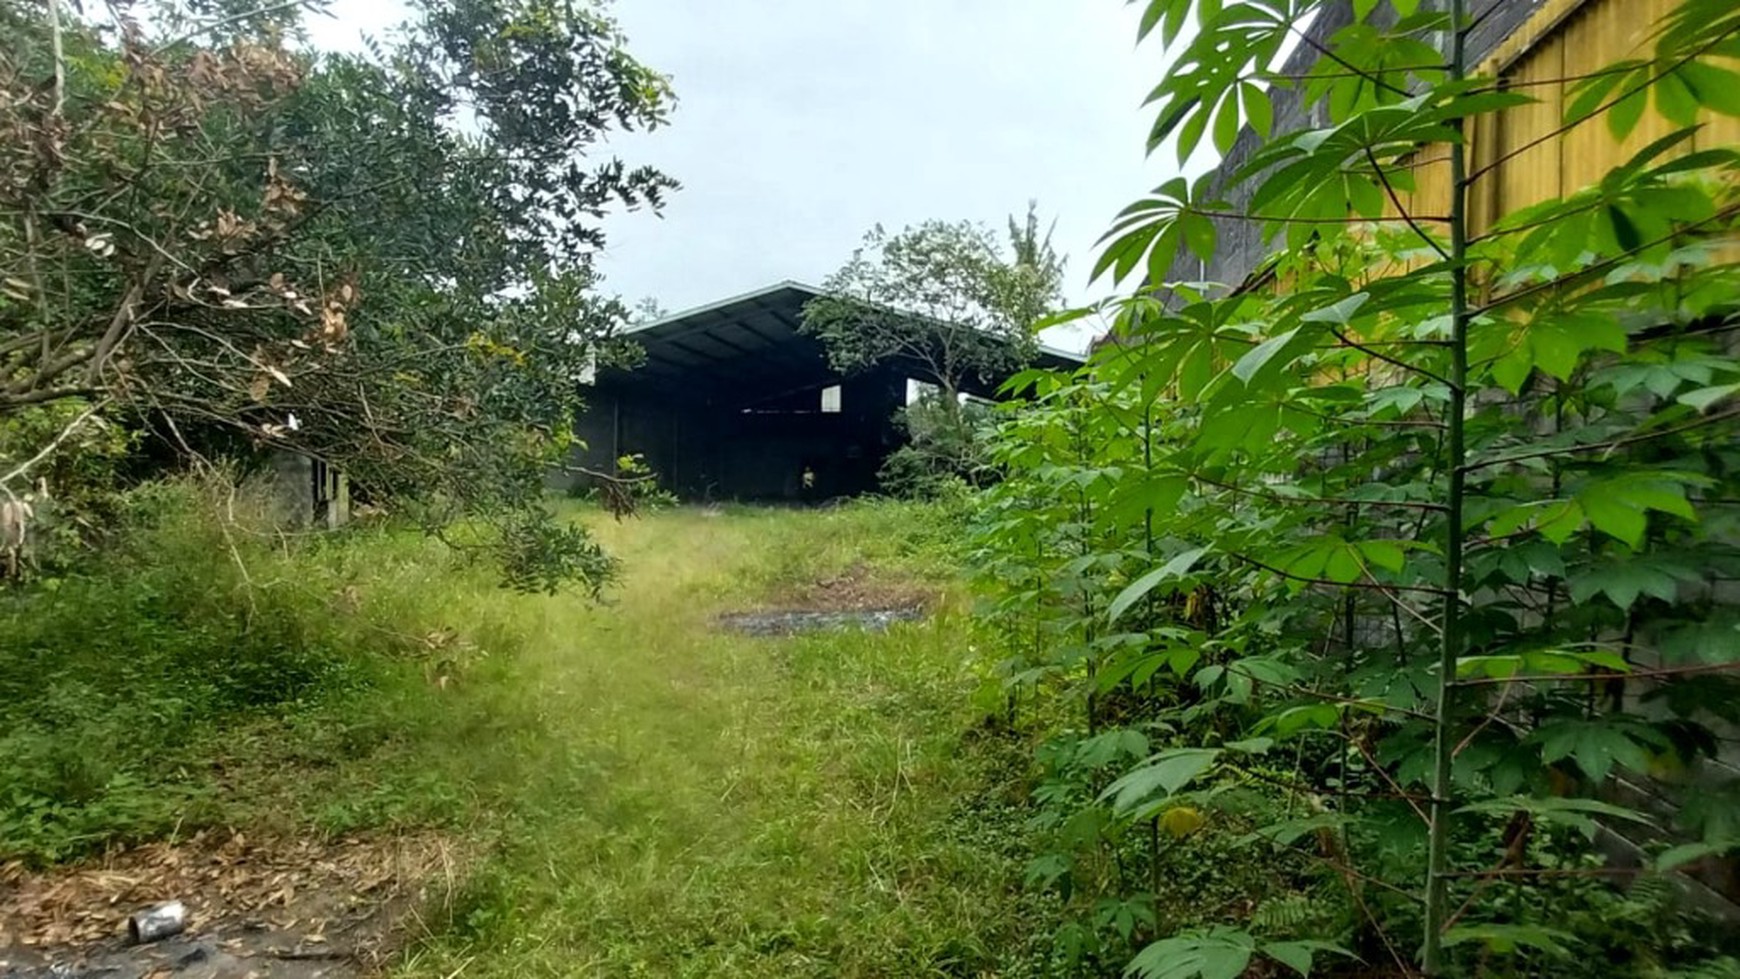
[(307, 492)]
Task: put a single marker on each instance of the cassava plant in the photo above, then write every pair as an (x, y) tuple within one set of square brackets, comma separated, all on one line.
[(1409, 553)]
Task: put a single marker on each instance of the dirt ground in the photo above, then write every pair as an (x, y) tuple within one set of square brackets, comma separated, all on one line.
[(287, 909), (856, 589), (855, 598)]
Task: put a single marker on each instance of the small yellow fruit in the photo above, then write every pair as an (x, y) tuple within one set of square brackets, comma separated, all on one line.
[(1181, 821)]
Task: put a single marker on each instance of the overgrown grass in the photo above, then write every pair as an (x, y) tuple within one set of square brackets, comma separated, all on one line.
[(202, 672), (736, 806), (650, 796)]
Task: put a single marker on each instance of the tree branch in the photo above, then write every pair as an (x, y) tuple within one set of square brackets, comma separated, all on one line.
[(121, 322), (1384, 179), (1319, 47), (59, 54), (1334, 584), (226, 21), (1331, 500), (55, 443), (1347, 341), (1606, 446), (1670, 671)]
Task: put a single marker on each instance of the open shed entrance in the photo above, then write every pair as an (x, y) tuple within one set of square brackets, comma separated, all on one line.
[(732, 402)]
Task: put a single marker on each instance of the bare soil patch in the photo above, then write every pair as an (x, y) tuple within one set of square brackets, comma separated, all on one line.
[(295, 909), (856, 589), (855, 598)]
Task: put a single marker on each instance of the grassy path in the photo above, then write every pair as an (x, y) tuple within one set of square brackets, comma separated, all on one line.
[(690, 803)]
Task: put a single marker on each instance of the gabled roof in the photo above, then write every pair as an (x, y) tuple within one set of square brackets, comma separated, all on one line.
[(748, 343)]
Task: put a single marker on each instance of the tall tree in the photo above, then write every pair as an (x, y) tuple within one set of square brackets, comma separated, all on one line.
[(384, 261), (941, 298), (1034, 281)]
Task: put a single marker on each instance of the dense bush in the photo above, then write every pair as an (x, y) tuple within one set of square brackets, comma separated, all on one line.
[(945, 454), (355, 279), (1384, 584)]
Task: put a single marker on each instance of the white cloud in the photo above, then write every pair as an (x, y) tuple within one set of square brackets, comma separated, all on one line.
[(801, 123)]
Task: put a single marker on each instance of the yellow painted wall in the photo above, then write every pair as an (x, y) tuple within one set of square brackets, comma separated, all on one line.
[(1565, 39)]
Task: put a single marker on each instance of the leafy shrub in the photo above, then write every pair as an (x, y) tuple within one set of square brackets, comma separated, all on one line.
[(945, 453), (1422, 531), (71, 493), (541, 555)]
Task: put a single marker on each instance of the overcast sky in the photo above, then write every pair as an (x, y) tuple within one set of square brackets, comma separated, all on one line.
[(801, 123)]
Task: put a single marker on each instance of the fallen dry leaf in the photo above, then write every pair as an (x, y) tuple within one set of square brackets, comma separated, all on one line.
[(222, 877)]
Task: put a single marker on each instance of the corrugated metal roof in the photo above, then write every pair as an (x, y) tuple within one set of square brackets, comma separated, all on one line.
[(751, 343)]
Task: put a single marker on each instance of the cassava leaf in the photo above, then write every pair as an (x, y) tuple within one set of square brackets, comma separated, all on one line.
[(1676, 857), (1219, 953), (1251, 363), (1179, 565), (1298, 955), (1164, 774), (1509, 939)]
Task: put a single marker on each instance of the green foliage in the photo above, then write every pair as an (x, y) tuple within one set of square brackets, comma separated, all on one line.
[(940, 303), (940, 300), (356, 278), (1219, 953), (1384, 555), (116, 670), (944, 454), (805, 806), (540, 555), (71, 493)]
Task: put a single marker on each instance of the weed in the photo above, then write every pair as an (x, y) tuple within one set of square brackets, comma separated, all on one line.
[(163, 683), (650, 796), (719, 805)]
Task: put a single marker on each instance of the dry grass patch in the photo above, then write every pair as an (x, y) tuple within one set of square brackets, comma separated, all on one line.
[(343, 899)]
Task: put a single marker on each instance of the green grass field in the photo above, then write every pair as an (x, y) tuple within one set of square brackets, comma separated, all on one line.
[(709, 805), (643, 793)]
